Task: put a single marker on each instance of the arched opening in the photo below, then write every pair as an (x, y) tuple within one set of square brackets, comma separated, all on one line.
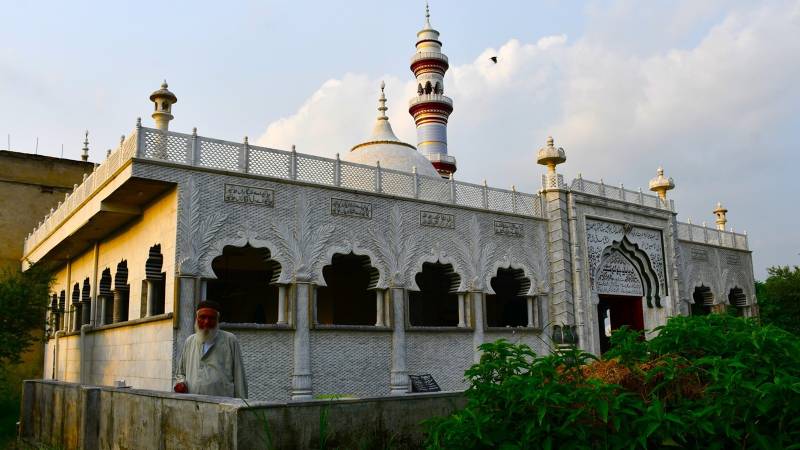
[(437, 89), (350, 296), (86, 302), (245, 287), (703, 300), (623, 278), (737, 300), (436, 303), (62, 309), (154, 282), (105, 298), (53, 313), (508, 306), (420, 91), (428, 88), (76, 307), (121, 293)]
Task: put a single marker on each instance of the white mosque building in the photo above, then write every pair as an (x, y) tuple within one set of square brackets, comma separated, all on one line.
[(345, 276)]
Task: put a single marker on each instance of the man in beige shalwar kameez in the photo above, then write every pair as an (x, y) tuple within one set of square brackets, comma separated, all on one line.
[(211, 360)]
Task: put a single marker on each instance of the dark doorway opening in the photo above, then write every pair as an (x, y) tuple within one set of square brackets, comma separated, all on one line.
[(738, 301), (616, 311), (436, 303), (508, 307)]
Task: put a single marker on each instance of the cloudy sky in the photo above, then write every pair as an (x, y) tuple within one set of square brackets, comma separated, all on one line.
[(709, 89)]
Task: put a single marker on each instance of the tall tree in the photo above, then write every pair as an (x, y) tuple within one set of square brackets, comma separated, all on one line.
[(23, 303), (779, 298)]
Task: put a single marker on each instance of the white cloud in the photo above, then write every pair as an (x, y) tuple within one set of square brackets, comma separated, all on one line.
[(717, 114)]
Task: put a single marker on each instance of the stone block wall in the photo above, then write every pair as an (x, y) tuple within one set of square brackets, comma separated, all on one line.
[(68, 416)]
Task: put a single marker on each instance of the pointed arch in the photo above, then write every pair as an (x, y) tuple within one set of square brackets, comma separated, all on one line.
[(640, 262), (532, 285)]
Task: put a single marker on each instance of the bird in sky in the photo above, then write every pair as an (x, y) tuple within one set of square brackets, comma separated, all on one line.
[(494, 59)]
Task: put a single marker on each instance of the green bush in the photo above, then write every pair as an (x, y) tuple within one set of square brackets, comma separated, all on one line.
[(704, 382)]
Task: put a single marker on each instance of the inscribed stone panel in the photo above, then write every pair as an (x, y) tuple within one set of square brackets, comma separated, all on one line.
[(617, 276)]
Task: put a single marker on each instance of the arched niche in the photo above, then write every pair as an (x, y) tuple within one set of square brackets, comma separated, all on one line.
[(349, 295), (618, 258), (507, 305), (738, 300), (245, 285), (703, 300), (436, 301)]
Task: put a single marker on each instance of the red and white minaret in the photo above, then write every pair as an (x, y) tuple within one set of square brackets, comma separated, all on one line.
[(431, 108)]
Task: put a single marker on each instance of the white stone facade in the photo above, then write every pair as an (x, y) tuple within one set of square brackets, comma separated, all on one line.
[(573, 245)]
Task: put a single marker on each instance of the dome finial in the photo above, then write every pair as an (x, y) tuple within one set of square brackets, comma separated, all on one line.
[(661, 184), (382, 104), (164, 85)]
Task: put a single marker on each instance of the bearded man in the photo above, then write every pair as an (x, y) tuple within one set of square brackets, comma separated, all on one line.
[(211, 360)]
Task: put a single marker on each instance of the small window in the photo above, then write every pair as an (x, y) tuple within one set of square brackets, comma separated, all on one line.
[(154, 299), (508, 306), (349, 297), (436, 303)]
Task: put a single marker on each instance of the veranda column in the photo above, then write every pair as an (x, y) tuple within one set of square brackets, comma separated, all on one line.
[(188, 297), (120, 305), (302, 388), (531, 319), (462, 311), (102, 302), (398, 382), (477, 311)]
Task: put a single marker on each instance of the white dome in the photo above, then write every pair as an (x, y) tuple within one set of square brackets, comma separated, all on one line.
[(384, 147)]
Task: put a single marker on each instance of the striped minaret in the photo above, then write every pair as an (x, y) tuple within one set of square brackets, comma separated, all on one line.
[(430, 108)]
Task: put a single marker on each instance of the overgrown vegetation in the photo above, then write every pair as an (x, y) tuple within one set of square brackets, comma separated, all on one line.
[(709, 382), (779, 298), (23, 303)]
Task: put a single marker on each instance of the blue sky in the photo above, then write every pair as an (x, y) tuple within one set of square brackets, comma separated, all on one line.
[(708, 89)]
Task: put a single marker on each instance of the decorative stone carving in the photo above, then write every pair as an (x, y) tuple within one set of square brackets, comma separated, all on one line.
[(396, 245), (350, 208), (600, 235), (618, 276), (512, 229), (235, 193), (476, 255), (196, 228), (438, 220), (303, 244), (699, 254)]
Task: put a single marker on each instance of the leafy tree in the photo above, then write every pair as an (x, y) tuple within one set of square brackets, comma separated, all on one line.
[(710, 382), (23, 303), (779, 298)]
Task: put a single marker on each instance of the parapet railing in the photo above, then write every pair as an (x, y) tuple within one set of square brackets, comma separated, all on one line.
[(80, 193), (713, 236), (619, 193), (197, 151)]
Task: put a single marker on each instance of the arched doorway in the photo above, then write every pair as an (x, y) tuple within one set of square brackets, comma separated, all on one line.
[(623, 280)]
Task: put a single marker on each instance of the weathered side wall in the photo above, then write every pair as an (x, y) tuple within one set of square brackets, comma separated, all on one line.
[(139, 352), (70, 416)]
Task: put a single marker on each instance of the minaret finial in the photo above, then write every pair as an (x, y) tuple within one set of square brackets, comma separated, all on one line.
[(382, 104), (427, 15), (85, 150)]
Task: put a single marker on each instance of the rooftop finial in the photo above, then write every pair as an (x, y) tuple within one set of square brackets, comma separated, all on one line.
[(85, 151), (427, 15), (164, 85), (382, 104)]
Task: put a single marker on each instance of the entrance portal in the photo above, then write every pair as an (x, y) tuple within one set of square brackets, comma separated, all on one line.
[(615, 311)]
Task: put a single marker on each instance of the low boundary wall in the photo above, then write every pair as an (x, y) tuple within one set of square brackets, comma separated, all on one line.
[(71, 416)]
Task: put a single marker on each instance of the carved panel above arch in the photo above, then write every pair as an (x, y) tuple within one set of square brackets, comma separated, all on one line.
[(600, 235)]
